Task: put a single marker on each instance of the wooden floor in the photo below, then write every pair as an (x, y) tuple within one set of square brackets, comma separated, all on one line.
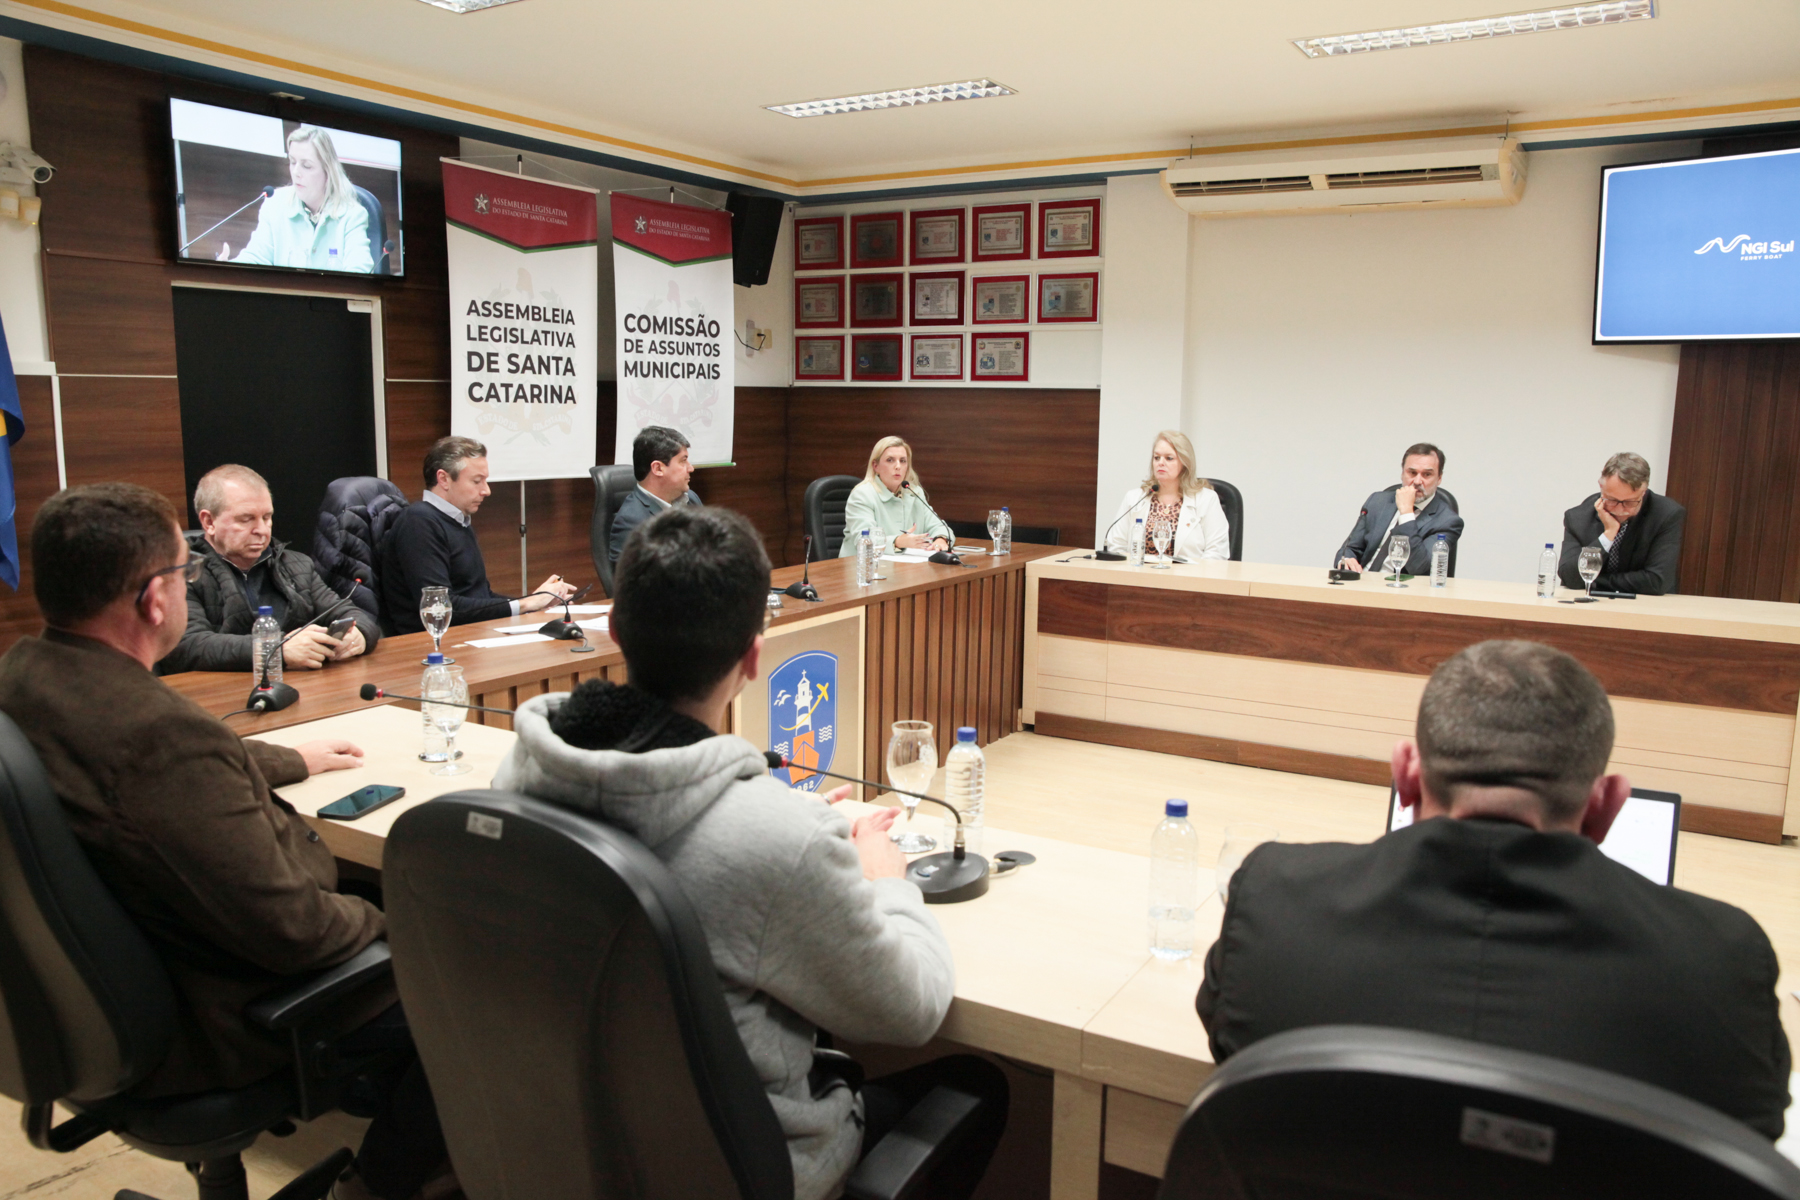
[(1076, 791)]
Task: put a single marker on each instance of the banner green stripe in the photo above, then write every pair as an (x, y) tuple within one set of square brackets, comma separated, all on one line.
[(622, 244), (514, 245)]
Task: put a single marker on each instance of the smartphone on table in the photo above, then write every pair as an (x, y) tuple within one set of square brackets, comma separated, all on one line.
[(362, 800)]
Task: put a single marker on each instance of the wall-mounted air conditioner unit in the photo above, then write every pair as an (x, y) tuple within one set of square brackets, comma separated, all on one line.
[(1447, 173)]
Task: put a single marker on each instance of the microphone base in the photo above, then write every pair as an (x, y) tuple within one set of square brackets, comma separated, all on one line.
[(561, 630), (1108, 556), (273, 698), (946, 881), (586, 647), (801, 591)]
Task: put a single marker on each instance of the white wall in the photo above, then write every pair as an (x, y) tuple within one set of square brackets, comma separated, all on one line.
[(21, 280), (1319, 347)]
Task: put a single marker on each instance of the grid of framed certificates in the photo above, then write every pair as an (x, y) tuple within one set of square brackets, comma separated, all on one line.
[(949, 277)]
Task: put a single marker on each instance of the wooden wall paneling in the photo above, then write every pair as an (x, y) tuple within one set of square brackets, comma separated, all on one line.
[(418, 414), (34, 481), (124, 429), (1033, 449), (756, 486), (109, 317), (416, 322)]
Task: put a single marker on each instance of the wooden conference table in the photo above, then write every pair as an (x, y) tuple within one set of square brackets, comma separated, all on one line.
[(1273, 666)]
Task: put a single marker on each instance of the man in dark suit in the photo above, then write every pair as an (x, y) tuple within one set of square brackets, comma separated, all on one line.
[(659, 460), (1413, 508), (1637, 531), (1495, 918)]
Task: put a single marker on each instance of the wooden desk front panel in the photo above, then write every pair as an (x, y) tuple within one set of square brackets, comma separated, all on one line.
[(1326, 689)]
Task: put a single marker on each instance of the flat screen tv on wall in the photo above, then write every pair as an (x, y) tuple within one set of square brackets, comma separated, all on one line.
[(1700, 250), (261, 191)]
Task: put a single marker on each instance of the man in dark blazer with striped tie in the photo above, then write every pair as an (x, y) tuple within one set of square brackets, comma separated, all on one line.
[(1637, 531)]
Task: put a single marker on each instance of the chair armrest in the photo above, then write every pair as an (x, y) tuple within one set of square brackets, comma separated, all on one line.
[(290, 1008), (900, 1162)]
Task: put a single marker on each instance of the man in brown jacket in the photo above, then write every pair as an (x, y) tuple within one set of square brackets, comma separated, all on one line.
[(233, 889)]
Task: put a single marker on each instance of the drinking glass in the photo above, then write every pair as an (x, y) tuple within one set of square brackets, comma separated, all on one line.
[(434, 614), (1160, 536), (446, 702), (911, 762), (1398, 548), (1589, 566), (1240, 840), (993, 528)]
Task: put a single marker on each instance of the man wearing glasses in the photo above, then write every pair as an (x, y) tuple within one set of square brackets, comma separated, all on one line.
[(1637, 532)]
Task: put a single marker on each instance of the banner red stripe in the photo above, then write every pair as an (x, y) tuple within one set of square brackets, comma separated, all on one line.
[(521, 211), (676, 233)]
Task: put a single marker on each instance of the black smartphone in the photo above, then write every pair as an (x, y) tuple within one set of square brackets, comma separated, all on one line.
[(362, 800), (340, 628)]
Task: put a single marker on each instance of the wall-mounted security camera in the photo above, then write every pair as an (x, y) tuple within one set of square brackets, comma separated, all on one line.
[(19, 165)]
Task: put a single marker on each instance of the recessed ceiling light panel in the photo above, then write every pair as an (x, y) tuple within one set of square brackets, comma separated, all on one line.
[(937, 93), (463, 6), (1575, 16)]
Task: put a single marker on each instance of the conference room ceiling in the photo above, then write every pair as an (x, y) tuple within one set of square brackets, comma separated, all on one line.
[(1093, 79)]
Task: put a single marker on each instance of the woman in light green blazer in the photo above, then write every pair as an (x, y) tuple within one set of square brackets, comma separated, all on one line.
[(890, 504)]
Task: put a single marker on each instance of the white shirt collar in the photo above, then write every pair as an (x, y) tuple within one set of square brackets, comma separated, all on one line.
[(646, 491), (448, 509)]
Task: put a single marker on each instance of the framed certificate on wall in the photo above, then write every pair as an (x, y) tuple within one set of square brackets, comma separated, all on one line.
[(1068, 228), (818, 243), (1001, 299), (819, 302), (936, 237), (875, 356), (819, 357), (1001, 356), (999, 232), (937, 356), (875, 239), (937, 298), (1074, 297), (875, 301)]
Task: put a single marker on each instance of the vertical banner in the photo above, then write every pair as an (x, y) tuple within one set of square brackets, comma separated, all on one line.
[(524, 312), (673, 292)]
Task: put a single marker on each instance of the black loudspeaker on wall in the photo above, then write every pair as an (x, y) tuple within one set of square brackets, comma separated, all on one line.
[(755, 224)]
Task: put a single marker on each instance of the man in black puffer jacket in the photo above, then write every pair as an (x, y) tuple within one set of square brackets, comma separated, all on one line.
[(246, 568)]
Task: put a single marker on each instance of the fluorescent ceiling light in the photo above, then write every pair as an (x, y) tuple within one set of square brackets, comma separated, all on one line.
[(463, 6), (937, 93), (1576, 16)]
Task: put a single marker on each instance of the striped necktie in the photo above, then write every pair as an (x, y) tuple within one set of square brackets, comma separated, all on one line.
[(1612, 555)]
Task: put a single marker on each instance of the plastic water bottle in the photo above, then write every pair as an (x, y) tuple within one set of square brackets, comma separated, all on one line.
[(1547, 572), (865, 559), (1005, 538), (1440, 561), (965, 776), (265, 643), (1174, 883), (435, 669), (1137, 543)]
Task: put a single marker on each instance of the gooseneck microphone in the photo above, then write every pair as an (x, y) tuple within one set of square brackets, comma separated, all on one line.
[(942, 556), (1103, 554), (273, 697), (804, 590), (371, 692), (944, 878), (564, 628), (268, 190)]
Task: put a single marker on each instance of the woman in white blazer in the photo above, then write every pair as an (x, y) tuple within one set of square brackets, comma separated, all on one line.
[(1174, 491)]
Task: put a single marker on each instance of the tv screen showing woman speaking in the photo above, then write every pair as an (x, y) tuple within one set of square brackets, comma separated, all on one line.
[(261, 191)]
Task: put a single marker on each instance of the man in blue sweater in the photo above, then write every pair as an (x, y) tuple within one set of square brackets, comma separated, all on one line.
[(432, 544)]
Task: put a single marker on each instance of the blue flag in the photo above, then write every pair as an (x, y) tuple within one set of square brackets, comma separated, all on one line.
[(9, 502)]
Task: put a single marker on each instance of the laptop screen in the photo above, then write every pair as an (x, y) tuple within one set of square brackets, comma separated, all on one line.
[(1642, 837)]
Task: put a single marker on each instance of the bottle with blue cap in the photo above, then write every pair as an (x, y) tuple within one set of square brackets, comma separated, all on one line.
[(435, 750), (1174, 883), (965, 779)]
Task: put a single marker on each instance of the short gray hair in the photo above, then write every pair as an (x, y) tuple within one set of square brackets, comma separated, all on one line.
[(1628, 468), (1515, 714), (448, 454), (209, 493)]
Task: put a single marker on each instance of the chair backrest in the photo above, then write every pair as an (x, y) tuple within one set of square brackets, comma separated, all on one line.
[(823, 508), (1231, 502), (611, 485), (1353, 1111), (353, 520), (567, 1011), (86, 1009), (379, 245)]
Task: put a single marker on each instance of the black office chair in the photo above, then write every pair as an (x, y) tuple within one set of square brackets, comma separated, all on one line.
[(1359, 1113), (1231, 502), (564, 1002), (611, 485), (381, 246), (90, 1012), (1029, 535), (354, 516), (823, 510)]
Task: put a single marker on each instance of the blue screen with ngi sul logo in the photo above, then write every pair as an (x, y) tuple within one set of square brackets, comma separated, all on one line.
[(1700, 249)]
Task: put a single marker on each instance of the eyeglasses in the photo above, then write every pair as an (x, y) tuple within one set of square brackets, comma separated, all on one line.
[(190, 571), (1624, 506)]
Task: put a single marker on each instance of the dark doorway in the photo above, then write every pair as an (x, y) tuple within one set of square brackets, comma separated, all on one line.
[(283, 384)]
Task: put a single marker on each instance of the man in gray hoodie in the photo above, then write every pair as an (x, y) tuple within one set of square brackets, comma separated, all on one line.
[(809, 918)]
